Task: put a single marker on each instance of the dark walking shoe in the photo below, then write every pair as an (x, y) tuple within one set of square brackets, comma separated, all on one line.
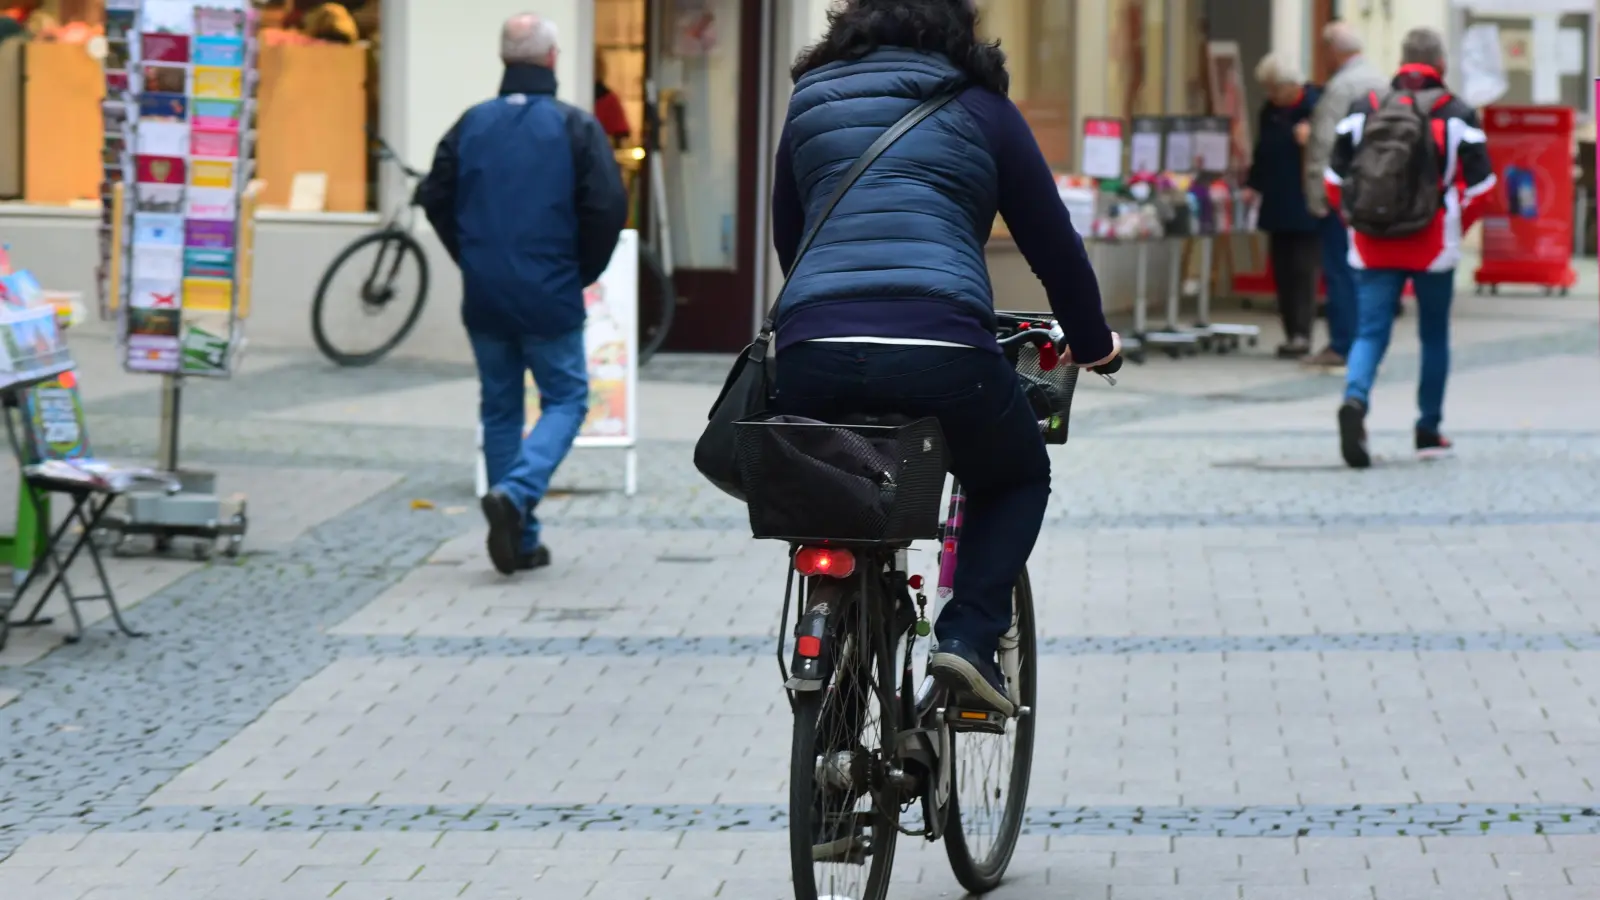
[(1296, 348), (1353, 434), (1327, 359), (974, 680), (537, 558), (1433, 445), (505, 530)]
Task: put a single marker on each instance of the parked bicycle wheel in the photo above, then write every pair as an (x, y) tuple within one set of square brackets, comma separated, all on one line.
[(658, 302), (992, 770), (370, 298), (841, 838)]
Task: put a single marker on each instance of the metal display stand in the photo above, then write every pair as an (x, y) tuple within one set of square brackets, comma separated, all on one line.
[(1173, 338), (1221, 336)]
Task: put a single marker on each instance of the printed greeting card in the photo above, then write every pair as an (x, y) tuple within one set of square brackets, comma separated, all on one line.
[(148, 294), (202, 233), (116, 56), (206, 262), (120, 24), (163, 138), (163, 108), (218, 204), (222, 144), (214, 82), (117, 83), (219, 51), (169, 16), (166, 79), (159, 169), (152, 353), (158, 198), (163, 322), (212, 173), (205, 344), (158, 264), (208, 295), (158, 230), (163, 48), (217, 115)]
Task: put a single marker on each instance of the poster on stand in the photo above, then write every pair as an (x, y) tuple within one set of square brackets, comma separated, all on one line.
[(1527, 228), (1102, 147), (1211, 145), (611, 339), (1145, 153), (1180, 144)]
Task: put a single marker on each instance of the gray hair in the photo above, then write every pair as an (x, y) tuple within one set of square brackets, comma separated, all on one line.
[(1342, 37), (1275, 70), (1422, 45), (527, 40)]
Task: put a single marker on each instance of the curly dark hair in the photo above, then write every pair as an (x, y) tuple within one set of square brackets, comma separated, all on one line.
[(948, 27)]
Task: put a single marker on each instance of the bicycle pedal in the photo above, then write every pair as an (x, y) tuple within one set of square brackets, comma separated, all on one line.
[(980, 720)]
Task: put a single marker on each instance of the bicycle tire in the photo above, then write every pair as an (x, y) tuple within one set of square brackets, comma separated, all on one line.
[(809, 710), (979, 876), (650, 341), (406, 244)]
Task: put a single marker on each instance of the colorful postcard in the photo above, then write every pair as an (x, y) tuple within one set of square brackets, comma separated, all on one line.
[(155, 295), (219, 51), (221, 144), (152, 353), (166, 79), (121, 24), (159, 169), (117, 83), (206, 262), (217, 115), (163, 48), (217, 82), (157, 264), (116, 56), (216, 204), (112, 155), (169, 16), (211, 173), (163, 108), (154, 322), (201, 233), (158, 230), (215, 21), (205, 345), (114, 115), (208, 295), (158, 198), (163, 138)]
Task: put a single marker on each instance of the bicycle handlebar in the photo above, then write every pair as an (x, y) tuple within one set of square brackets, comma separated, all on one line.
[(1039, 332), (386, 152)]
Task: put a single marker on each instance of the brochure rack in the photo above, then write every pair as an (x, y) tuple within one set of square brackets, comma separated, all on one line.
[(176, 237)]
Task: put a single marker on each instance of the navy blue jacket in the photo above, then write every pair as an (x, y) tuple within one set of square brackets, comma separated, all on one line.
[(902, 256), (526, 196), (1278, 169)]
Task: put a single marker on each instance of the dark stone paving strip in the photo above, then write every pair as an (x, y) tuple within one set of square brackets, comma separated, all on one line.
[(100, 725), (1350, 821), (1152, 521), (758, 645)]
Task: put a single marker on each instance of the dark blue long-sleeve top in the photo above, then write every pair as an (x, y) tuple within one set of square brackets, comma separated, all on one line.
[(1029, 202)]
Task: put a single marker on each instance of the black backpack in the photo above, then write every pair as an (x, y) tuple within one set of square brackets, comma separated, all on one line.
[(1395, 187)]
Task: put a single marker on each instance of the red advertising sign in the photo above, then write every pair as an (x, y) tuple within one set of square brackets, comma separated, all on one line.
[(1527, 229)]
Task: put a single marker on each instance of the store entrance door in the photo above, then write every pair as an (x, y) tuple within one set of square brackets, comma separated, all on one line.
[(705, 58)]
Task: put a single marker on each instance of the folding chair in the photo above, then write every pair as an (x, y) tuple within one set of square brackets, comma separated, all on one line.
[(91, 500)]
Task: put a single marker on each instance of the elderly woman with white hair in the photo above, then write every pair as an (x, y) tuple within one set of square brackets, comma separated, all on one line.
[(1276, 178)]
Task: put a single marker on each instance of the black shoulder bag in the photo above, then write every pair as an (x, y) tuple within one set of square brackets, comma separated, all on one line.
[(748, 388)]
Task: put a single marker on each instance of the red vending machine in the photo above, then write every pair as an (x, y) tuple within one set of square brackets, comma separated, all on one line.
[(1527, 231)]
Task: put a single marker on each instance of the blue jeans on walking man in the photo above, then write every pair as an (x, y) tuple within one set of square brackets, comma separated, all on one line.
[(521, 467), (1378, 291), (1340, 281)]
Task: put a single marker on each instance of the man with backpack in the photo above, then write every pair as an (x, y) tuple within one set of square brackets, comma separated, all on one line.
[(1410, 173)]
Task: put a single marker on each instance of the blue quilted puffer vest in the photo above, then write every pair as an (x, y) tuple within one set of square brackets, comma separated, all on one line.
[(914, 225)]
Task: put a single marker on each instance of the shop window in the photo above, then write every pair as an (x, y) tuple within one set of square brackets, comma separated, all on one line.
[(1546, 63), (314, 107), (1040, 40)]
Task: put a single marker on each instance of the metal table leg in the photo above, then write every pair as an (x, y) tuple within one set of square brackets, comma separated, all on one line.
[(1225, 336), (1173, 339)]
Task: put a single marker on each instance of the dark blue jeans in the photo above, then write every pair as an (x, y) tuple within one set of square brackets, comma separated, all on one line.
[(520, 466), (1341, 283), (995, 447), (1378, 291)]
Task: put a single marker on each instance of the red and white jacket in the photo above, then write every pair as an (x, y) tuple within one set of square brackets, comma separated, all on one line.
[(1466, 175)]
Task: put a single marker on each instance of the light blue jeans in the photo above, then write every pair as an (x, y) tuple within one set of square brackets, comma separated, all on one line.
[(523, 467), (1377, 293)]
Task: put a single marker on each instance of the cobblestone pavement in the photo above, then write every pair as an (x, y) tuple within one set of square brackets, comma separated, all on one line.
[(1263, 676)]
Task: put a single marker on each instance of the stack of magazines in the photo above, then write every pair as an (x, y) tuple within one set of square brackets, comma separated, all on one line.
[(103, 476)]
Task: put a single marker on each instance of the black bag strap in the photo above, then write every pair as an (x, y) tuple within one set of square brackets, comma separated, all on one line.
[(886, 140)]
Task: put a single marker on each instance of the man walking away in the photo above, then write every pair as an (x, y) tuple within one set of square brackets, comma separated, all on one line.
[(1411, 174), (526, 197), (1353, 79)]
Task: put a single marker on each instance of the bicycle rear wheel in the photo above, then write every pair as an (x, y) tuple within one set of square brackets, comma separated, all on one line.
[(992, 770), (381, 276), (841, 838)]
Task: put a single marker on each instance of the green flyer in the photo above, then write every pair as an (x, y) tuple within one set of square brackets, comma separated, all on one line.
[(203, 352)]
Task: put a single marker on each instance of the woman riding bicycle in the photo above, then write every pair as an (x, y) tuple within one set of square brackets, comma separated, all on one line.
[(891, 310)]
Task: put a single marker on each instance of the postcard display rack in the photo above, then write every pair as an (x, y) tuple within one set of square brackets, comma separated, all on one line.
[(178, 230)]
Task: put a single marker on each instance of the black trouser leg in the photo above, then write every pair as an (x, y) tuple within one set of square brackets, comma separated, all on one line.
[(1294, 268)]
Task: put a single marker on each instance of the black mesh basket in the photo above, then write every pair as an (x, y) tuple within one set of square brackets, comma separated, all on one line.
[(1063, 379), (806, 480)]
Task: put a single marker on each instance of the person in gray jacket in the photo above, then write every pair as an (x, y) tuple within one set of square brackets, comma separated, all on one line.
[(1353, 79)]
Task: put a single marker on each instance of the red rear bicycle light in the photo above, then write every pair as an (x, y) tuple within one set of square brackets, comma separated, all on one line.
[(1048, 356), (809, 647), (828, 561)]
